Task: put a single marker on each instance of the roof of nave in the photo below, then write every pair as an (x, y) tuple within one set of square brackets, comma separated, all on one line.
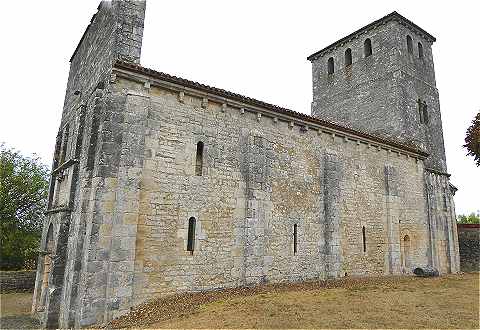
[(135, 68), (393, 16)]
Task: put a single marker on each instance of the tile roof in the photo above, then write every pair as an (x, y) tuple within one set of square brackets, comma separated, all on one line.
[(254, 102)]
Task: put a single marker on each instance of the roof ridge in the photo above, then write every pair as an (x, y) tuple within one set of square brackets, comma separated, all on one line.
[(281, 110)]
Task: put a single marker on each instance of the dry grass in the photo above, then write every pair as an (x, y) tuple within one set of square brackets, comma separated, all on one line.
[(15, 304), (15, 311), (390, 302)]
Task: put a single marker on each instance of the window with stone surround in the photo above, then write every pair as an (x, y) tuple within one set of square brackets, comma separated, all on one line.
[(295, 239), (330, 66), (348, 57), (420, 51), (367, 47), (191, 234), (406, 252), (423, 111), (409, 45), (199, 159)]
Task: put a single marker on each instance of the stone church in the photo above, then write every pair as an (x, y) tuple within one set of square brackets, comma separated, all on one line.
[(163, 185)]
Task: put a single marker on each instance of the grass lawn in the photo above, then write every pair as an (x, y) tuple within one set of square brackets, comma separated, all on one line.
[(390, 302), (15, 304), (15, 311)]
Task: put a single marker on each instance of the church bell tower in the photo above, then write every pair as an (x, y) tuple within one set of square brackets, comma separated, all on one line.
[(381, 79)]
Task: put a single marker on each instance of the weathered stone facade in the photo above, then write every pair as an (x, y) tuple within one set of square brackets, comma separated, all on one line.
[(164, 185)]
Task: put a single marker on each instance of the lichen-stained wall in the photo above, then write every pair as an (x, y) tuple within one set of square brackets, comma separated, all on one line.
[(79, 171), (260, 177), (115, 32), (442, 223), (379, 93), (469, 246)]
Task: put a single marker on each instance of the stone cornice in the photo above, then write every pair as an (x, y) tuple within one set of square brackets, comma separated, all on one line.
[(434, 171), (393, 16), (149, 78)]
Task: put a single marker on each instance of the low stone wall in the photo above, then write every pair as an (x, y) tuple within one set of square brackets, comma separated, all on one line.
[(469, 244), (17, 281)]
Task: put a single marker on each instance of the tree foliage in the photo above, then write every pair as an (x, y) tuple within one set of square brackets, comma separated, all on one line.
[(471, 218), (472, 139), (23, 198)]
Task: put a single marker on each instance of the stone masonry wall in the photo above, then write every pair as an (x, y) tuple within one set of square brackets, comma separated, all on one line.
[(124, 187), (17, 281), (115, 32), (444, 254), (379, 93), (260, 178), (469, 242)]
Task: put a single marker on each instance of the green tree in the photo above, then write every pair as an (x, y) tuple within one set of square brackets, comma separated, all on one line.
[(23, 198), (472, 139), (471, 218)]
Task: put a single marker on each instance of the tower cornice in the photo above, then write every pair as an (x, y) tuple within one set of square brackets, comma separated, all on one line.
[(393, 16)]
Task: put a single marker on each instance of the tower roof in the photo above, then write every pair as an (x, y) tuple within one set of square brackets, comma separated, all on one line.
[(393, 16)]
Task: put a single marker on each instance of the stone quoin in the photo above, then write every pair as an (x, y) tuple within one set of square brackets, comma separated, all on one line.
[(162, 185)]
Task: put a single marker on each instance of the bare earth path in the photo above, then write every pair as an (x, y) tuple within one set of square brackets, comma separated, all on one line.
[(391, 302)]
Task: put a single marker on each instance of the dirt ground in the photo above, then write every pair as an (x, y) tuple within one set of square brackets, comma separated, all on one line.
[(389, 302), (15, 311)]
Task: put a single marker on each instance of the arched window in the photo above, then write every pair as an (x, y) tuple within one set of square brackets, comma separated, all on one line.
[(295, 239), (423, 111), (409, 45), (364, 239), (199, 159), (420, 51), (406, 252), (348, 57), (367, 47), (191, 234), (330, 66)]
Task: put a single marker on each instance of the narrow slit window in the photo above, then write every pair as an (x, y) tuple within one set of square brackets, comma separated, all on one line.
[(420, 111), (420, 51), (348, 57), (364, 238), (409, 44), (367, 47), (199, 159), (425, 112), (191, 234), (295, 239), (330, 66)]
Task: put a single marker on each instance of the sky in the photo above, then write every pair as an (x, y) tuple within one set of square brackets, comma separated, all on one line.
[(255, 48)]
